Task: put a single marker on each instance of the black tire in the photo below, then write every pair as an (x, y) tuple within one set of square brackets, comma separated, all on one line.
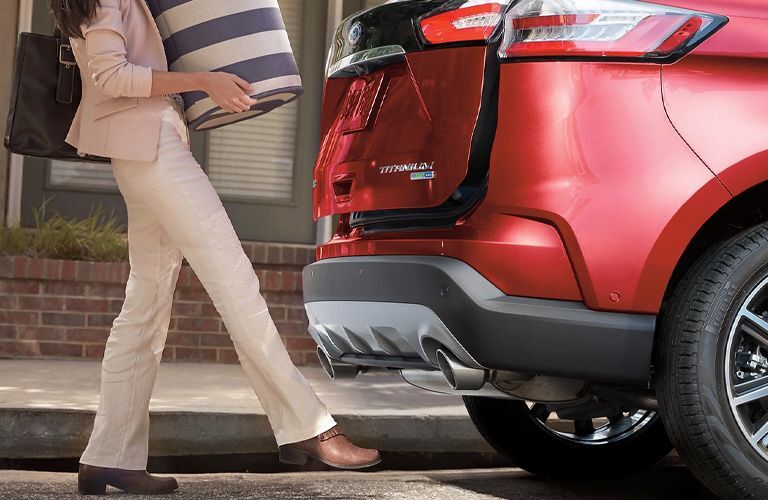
[(693, 362), (510, 428)]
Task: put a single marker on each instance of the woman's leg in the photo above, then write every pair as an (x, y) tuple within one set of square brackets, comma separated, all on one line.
[(182, 198), (135, 345)]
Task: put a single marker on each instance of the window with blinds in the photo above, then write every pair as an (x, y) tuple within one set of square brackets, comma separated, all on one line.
[(254, 159), (84, 175)]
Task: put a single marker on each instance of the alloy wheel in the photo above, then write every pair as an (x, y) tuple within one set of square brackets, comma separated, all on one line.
[(592, 431), (746, 368)]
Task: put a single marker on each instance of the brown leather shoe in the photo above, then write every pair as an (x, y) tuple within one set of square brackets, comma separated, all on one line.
[(332, 448), (92, 480)]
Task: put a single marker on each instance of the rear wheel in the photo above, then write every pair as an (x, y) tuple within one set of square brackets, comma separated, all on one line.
[(595, 440), (712, 365)]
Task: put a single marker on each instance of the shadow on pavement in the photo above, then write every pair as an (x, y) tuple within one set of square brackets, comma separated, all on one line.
[(669, 482)]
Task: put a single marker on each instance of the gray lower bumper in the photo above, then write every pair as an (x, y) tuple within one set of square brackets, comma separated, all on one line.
[(396, 311)]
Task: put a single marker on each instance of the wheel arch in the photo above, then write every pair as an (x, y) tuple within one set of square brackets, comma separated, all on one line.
[(745, 210)]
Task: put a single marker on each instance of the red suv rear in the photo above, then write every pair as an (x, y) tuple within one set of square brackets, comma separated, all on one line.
[(556, 208)]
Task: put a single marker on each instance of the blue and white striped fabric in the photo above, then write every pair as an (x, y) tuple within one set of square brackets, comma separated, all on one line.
[(244, 37)]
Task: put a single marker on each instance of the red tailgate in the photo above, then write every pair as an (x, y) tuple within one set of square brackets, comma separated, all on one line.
[(399, 137)]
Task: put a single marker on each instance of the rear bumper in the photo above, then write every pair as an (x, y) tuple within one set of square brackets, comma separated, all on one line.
[(397, 310)]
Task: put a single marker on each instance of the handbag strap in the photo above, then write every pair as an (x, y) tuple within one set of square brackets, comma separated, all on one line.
[(67, 66)]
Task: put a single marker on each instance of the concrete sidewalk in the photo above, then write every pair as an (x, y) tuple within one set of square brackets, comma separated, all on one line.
[(47, 408)]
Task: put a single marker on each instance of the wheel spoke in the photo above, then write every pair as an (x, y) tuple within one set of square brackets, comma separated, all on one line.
[(615, 419), (761, 432), (583, 427), (540, 412), (751, 391), (760, 330)]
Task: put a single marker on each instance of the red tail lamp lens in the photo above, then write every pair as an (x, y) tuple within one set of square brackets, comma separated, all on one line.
[(464, 21), (601, 28)]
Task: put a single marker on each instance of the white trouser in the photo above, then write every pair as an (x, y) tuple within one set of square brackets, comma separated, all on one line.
[(173, 210)]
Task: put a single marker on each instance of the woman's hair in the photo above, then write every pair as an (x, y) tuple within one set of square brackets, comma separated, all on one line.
[(70, 14)]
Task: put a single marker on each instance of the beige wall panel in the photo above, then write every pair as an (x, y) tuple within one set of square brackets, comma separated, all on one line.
[(8, 27)]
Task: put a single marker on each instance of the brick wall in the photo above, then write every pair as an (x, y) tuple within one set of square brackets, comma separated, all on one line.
[(65, 308)]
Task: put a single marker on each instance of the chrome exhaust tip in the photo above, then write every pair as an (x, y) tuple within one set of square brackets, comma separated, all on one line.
[(458, 375), (336, 370)]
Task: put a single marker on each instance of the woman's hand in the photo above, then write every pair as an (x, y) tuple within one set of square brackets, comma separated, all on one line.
[(227, 90)]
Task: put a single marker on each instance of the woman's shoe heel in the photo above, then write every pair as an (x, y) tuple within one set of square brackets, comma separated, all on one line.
[(91, 487), (292, 456)]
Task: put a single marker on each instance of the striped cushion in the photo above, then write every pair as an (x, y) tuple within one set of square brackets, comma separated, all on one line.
[(244, 37)]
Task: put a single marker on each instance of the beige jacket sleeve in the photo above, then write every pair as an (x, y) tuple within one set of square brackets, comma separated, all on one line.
[(105, 48)]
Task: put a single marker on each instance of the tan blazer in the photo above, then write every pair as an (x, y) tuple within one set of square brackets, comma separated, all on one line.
[(117, 118)]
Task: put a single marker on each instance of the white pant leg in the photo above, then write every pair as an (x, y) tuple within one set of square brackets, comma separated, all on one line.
[(135, 345), (179, 193)]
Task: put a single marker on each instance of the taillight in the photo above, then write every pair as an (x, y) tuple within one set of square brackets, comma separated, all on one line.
[(463, 21), (603, 29)]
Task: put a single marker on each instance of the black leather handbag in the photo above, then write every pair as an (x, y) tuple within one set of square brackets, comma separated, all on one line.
[(45, 95)]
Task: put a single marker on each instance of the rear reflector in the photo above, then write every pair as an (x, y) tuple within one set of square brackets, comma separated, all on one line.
[(463, 21), (602, 28)]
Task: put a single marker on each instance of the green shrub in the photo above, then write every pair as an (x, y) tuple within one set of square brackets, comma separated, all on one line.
[(96, 237)]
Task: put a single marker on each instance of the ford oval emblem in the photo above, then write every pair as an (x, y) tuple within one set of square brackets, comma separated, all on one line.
[(355, 33)]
